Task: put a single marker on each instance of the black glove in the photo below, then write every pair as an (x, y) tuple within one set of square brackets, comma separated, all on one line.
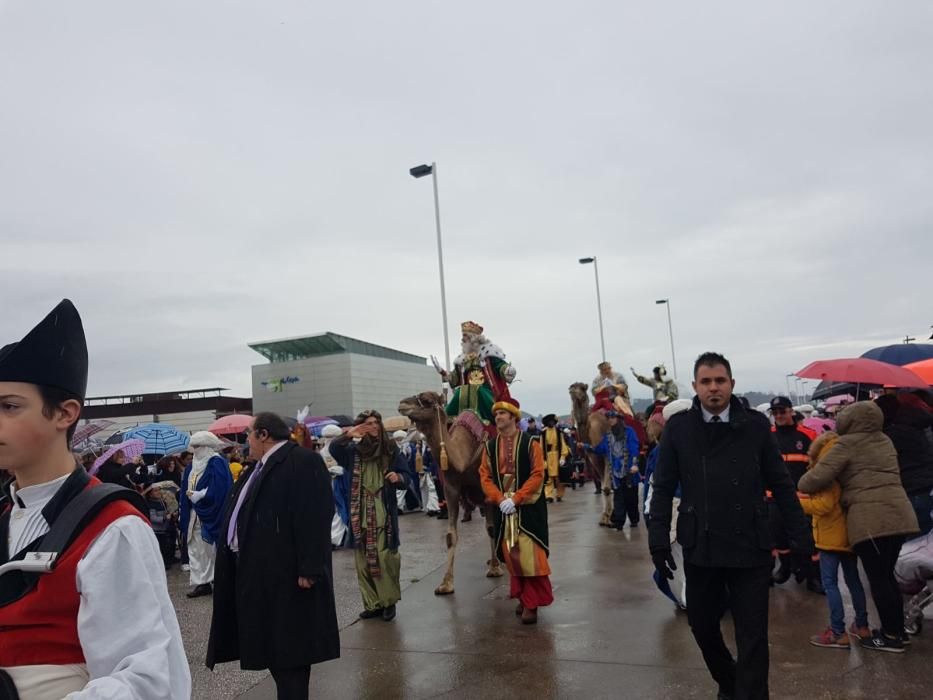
[(801, 556), (664, 563)]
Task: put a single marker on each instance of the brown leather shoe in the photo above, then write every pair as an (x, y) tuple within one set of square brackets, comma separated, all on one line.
[(519, 609), (529, 616)]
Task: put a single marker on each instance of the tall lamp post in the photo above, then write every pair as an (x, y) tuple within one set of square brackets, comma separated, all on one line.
[(670, 329), (421, 171), (599, 302)]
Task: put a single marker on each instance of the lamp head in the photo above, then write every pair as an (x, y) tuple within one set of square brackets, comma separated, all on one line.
[(421, 170)]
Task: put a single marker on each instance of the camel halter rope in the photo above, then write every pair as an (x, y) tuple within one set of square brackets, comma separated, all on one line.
[(442, 426)]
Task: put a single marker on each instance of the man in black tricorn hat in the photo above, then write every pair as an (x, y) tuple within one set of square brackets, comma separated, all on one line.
[(100, 623)]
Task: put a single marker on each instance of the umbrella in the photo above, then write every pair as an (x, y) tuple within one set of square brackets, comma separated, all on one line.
[(860, 370), (317, 425), (160, 438), (115, 439), (83, 433), (839, 399), (131, 449), (902, 353), (924, 369), (820, 425), (231, 425)]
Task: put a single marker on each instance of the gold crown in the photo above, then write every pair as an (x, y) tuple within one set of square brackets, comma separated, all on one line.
[(471, 328)]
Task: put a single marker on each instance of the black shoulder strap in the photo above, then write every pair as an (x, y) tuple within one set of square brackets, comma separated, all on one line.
[(82, 509), (72, 519)]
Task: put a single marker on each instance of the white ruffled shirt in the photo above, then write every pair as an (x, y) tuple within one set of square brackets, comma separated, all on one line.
[(126, 622)]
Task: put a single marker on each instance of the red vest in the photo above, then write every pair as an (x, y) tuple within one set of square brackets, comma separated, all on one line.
[(42, 626)]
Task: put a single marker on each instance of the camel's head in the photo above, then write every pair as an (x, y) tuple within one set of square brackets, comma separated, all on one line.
[(423, 407), (578, 392)]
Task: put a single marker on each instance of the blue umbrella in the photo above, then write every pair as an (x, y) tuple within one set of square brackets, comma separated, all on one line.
[(160, 438), (901, 354)]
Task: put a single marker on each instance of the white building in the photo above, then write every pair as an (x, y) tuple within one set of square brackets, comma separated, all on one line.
[(336, 375)]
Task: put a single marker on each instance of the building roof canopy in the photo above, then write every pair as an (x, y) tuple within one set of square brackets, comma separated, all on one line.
[(301, 348)]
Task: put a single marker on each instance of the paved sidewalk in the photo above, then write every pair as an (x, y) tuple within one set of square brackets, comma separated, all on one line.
[(609, 634)]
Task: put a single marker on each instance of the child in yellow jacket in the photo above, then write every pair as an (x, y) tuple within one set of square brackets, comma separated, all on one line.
[(832, 542)]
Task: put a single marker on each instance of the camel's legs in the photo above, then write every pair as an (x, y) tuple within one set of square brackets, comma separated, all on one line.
[(453, 509), (607, 492), (493, 568)]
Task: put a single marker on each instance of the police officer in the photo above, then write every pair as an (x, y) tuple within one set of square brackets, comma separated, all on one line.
[(724, 459), (793, 442)]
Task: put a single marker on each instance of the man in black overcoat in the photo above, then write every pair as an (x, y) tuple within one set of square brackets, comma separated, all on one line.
[(273, 588), (724, 458)]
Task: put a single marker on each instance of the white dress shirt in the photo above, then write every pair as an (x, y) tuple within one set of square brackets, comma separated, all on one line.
[(126, 622), (708, 417)]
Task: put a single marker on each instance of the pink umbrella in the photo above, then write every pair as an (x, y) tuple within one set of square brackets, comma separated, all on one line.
[(840, 400), (86, 431), (131, 449), (819, 425), (231, 425)]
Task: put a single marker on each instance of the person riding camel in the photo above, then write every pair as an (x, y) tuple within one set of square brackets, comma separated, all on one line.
[(481, 375), (663, 388), (610, 390)]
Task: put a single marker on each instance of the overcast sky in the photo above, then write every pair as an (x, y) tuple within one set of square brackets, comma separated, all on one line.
[(198, 175)]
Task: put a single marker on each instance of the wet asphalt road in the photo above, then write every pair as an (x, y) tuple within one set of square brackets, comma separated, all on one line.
[(609, 634)]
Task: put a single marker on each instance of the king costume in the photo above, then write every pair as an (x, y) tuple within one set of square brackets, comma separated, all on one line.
[(513, 468), (481, 374), (100, 624)]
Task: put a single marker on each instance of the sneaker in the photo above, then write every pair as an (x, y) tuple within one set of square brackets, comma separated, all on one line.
[(881, 642), (906, 640), (830, 639), (186, 567), (860, 632)]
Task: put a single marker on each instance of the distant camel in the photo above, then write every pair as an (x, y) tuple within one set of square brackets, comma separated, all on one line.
[(592, 428), (463, 444)]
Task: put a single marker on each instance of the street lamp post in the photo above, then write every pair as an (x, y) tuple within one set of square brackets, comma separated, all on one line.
[(599, 302), (670, 328), (421, 171)]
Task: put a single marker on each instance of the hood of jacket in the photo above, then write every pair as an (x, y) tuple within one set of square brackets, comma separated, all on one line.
[(860, 417)]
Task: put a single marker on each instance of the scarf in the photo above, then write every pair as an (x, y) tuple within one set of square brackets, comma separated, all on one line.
[(202, 455), (362, 501)]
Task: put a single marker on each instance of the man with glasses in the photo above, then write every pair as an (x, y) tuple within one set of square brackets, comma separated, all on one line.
[(273, 584), (793, 441)]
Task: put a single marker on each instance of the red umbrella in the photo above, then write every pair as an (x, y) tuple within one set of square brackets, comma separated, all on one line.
[(924, 369), (861, 370), (230, 425)]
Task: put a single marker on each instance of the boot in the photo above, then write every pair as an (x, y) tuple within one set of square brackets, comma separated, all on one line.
[(201, 590), (782, 575), (388, 614), (530, 616)]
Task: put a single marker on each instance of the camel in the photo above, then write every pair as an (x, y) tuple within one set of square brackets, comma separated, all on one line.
[(592, 428), (462, 443)]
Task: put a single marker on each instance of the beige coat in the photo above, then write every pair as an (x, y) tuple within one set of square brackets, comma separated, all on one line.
[(864, 462)]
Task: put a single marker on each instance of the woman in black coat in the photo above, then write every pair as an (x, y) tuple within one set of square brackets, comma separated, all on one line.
[(274, 597)]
